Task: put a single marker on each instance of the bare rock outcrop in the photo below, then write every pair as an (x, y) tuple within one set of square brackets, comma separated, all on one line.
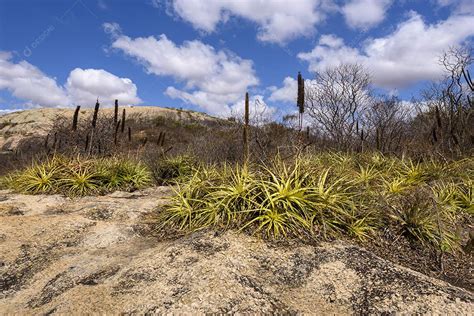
[(91, 255)]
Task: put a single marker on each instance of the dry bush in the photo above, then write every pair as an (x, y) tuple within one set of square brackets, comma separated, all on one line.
[(337, 100)]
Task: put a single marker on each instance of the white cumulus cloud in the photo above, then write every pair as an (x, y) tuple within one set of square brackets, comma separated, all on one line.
[(287, 93), (27, 82), (278, 21), (83, 86), (405, 56), (364, 14), (212, 79), (459, 6)]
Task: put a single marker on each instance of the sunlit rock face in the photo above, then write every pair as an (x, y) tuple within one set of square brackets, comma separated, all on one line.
[(100, 254)]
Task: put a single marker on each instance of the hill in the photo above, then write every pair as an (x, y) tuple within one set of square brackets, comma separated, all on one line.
[(16, 126)]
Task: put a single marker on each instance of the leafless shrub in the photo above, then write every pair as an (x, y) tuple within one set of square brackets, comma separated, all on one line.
[(386, 126), (336, 100), (448, 105)]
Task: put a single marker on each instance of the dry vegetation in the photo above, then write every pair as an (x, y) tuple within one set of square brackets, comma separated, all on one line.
[(366, 168)]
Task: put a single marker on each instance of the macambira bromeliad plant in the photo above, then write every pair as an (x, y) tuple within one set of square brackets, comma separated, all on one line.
[(78, 176), (328, 194)]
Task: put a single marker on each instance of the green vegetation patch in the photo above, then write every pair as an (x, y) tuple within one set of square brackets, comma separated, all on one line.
[(170, 170), (329, 195), (79, 176)]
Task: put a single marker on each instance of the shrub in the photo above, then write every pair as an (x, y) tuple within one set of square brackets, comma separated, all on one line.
[(233, 199), (280, 200), (464, 197), (79, 179), (187, 207), (39, 178), (173, 169), (80, 176), (129, 174), (311, 196), (419, 217)]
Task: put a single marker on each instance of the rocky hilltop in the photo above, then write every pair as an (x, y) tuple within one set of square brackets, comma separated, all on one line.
[(100, 255), (16, 126)]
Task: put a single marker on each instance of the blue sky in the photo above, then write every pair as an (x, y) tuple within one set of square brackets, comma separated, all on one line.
[(204, 55)]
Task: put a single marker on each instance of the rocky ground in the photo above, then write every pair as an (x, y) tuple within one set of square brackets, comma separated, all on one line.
[(96, 254)]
